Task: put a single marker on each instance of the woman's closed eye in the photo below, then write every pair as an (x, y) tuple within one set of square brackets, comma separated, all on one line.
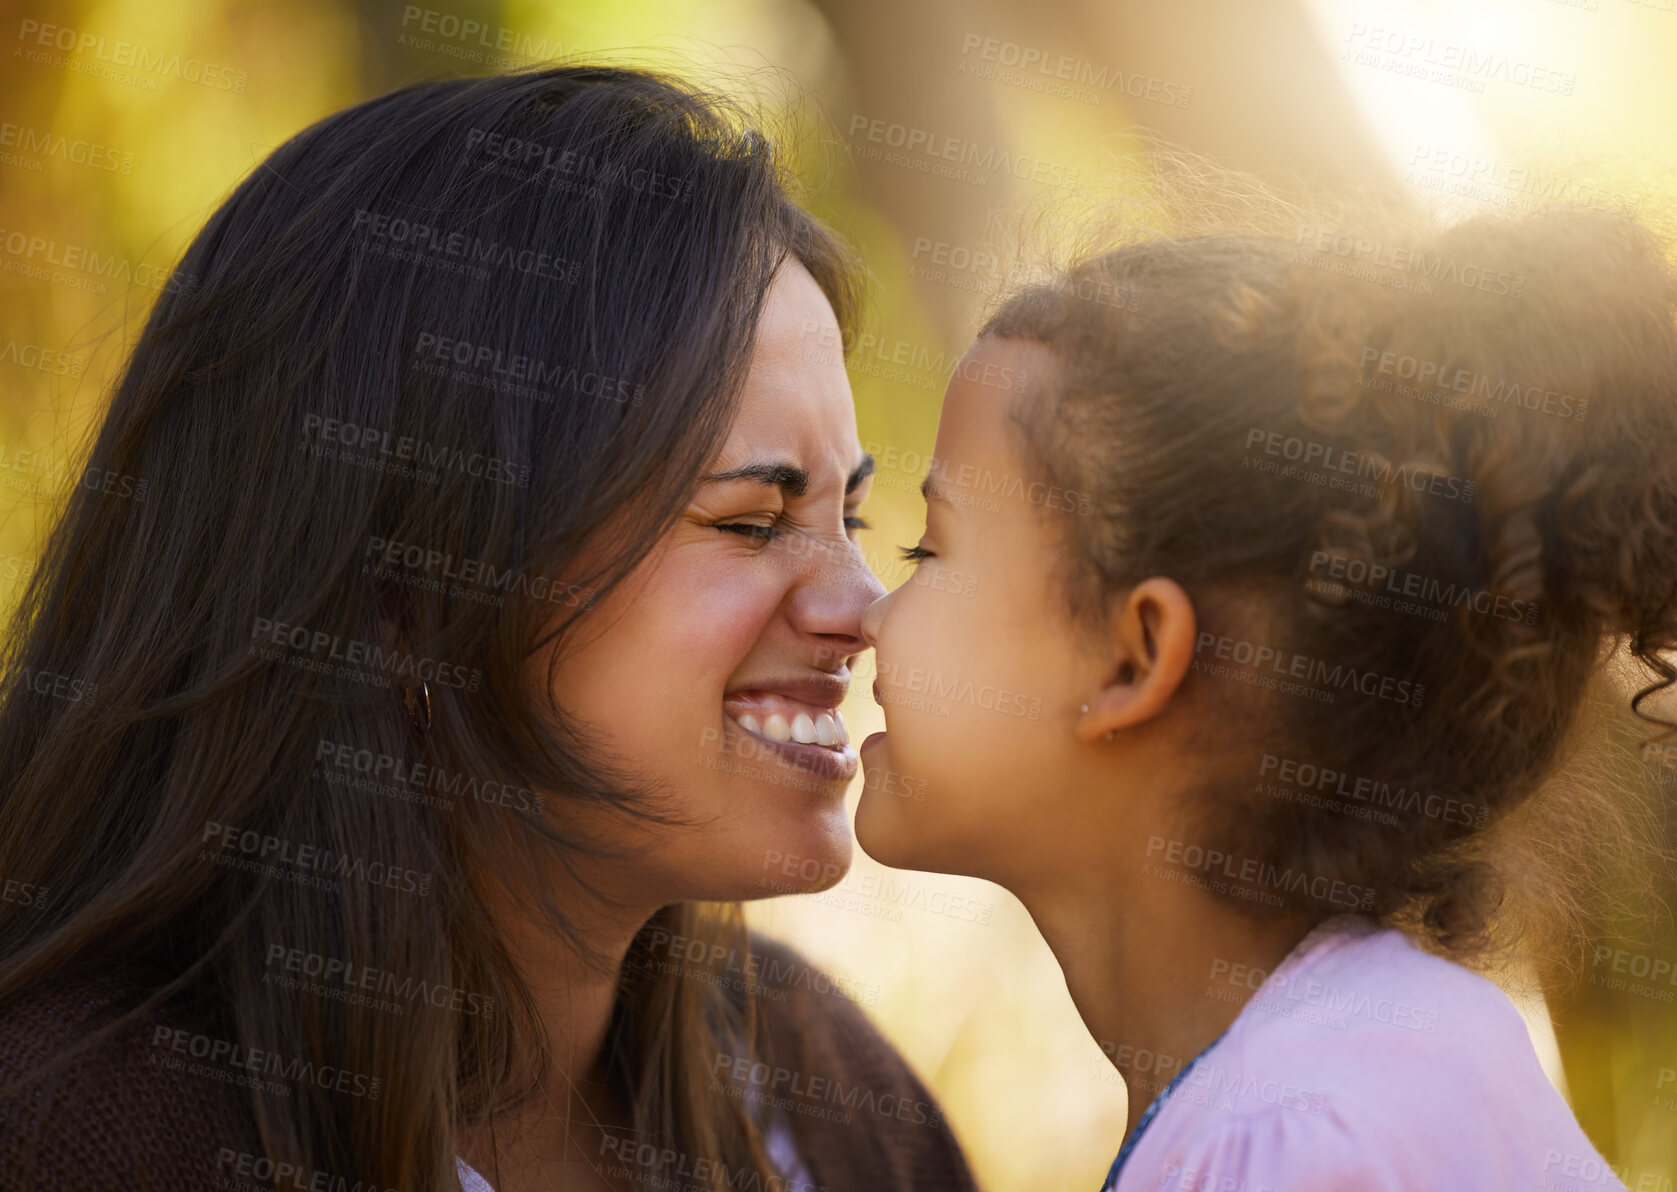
[(754, 531), (913, 554), (767, 532)]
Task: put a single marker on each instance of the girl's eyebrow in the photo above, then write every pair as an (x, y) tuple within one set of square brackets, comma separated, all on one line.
[(789, 478), (932, 493)]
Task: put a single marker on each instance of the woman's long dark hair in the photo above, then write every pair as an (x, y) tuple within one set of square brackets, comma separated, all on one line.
[(435, 346)]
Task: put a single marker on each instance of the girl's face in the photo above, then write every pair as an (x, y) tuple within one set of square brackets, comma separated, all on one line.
[(981, 674), (731, 641)]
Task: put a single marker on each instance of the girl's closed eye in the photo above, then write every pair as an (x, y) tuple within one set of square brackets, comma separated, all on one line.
[(913, 554)]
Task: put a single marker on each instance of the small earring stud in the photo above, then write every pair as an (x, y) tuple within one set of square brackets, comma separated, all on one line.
[(1085, 707)]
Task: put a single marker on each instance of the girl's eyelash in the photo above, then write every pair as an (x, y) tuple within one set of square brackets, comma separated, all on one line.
[(913, 554), (853, 522)]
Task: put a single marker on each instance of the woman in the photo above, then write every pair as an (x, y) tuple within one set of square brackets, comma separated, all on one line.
[(1316, 577), (478, 641)]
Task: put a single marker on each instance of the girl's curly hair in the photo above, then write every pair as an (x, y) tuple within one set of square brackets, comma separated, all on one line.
[(1425, 482)]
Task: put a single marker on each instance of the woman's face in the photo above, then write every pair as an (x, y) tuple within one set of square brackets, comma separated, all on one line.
[(731, 642)]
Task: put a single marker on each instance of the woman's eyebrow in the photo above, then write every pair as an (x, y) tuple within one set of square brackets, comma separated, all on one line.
[(790, 478)]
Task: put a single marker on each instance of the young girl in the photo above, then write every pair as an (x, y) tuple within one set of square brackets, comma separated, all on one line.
[(1312, 573)]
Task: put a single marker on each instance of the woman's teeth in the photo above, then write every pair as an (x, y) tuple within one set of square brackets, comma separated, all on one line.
[(822, 729)]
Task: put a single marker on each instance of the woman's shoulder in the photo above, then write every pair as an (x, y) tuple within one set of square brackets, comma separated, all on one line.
[(860, 1115), (128, 1110)]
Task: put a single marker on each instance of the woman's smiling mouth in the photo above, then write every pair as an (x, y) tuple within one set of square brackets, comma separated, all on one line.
[(808, 734)]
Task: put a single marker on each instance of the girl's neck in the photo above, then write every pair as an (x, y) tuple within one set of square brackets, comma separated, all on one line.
[(1158, 974)]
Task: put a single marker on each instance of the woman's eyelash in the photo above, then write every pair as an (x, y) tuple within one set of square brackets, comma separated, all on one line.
[(913, 554), (751, 530), (769, 532)]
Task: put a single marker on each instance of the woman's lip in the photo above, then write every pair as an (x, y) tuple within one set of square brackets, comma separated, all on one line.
[(818, 761), (870, 739)]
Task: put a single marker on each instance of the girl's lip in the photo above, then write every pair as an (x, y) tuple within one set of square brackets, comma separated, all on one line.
[(820, 762), (870, 739)]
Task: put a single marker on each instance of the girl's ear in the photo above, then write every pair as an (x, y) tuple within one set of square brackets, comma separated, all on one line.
[(1152, 635)]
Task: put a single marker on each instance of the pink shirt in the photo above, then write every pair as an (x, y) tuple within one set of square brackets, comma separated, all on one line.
[(1364, 1064)]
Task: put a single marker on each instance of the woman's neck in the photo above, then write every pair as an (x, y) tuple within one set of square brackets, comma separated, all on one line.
[(555, 1140), (1156, 973)]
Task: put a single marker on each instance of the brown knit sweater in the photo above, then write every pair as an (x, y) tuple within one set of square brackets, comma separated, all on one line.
[(121, 1117)]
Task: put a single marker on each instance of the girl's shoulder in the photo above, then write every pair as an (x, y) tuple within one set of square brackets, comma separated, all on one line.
[(1364, 1061)]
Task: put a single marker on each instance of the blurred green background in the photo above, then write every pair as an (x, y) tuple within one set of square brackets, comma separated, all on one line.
[(1503, 104)]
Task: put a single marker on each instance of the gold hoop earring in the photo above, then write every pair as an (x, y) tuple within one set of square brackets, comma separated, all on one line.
[(418, 703)]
